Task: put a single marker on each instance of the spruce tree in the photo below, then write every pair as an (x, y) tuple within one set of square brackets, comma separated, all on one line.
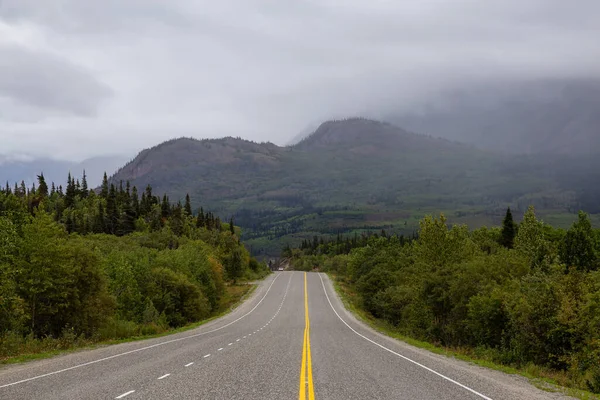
[(231, 226), (84, 186), (43, 187), (104, 189), (507, 238), (70, 193)]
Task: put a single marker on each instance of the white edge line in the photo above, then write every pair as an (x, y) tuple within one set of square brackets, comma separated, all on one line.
[(400, 355), (125, 394), (164, 376), (143, 348)]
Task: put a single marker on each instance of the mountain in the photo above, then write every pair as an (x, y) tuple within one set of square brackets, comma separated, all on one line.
[(533, 117), (16, 170), (355, 175)]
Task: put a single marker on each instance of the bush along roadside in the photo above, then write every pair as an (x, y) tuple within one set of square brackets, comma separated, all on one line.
[(525, 296)]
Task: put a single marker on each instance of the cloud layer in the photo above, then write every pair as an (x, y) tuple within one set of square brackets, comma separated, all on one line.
[(79, 79)]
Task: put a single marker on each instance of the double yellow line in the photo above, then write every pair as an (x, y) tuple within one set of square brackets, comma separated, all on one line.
[(306, 377)]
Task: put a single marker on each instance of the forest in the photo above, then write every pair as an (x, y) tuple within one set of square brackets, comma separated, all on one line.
[(525, 295), (80, 266)]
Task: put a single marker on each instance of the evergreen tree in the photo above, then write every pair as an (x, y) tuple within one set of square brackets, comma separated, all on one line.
[(188, 205), (507, 239), (231, 226), (200, 222), (177, 220), (112, 211), (70, 194), (100, 219), (84, 186), (135, 202), (165, 207), (104, 189), (43, 187)]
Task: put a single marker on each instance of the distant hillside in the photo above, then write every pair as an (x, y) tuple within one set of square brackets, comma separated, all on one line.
[(349, 176), (541, 117), (56, 171)]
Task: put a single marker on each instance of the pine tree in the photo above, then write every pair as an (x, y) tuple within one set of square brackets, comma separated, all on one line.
[(188, 205), (507, 239), (231, 226)]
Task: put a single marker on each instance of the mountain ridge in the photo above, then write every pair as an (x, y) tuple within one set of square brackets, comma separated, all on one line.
[(355, 175)]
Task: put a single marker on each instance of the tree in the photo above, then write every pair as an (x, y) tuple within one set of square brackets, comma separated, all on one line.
[(579, 245), (508, 230), (70, 193), (188, 206), (165, 207), (530, 240), (112, 211), (234, 265), (84, 186), (42, 186), (231, 226), (200, 222), (104, 188)]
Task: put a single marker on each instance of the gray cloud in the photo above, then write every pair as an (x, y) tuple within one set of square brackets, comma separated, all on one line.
[(136, 72), (45, 81)]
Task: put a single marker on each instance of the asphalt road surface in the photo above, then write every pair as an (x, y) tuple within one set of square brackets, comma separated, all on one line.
[(292, 339)]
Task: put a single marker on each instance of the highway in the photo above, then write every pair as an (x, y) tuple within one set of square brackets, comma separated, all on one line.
[(292, 339)]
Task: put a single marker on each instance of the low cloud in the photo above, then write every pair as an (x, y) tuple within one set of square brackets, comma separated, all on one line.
[(121, 75)]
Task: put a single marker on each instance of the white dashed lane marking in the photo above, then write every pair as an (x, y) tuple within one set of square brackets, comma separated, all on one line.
[(125, 394)]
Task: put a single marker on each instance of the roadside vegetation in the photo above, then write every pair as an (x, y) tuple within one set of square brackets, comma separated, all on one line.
[(525, 296), (81, 267)]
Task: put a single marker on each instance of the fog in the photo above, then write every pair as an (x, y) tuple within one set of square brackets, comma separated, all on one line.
[(82, 79)]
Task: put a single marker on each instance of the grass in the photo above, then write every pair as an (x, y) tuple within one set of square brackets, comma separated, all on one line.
[(542, 378), (36, 349)]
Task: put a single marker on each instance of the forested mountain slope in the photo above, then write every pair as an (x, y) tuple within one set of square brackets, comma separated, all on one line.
[(356, 174)]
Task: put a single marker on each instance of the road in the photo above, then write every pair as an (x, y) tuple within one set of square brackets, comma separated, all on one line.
[(292, 339)]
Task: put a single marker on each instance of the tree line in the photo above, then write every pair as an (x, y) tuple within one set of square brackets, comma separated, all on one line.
[(83, 265), (521, 294)]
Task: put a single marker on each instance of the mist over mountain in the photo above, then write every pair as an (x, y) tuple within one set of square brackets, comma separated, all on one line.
[(518, 117), (15, 170)]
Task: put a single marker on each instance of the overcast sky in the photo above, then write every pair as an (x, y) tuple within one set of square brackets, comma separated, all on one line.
[(80, 78)]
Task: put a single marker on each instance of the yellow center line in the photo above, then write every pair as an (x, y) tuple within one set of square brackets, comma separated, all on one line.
[(306, 376)]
